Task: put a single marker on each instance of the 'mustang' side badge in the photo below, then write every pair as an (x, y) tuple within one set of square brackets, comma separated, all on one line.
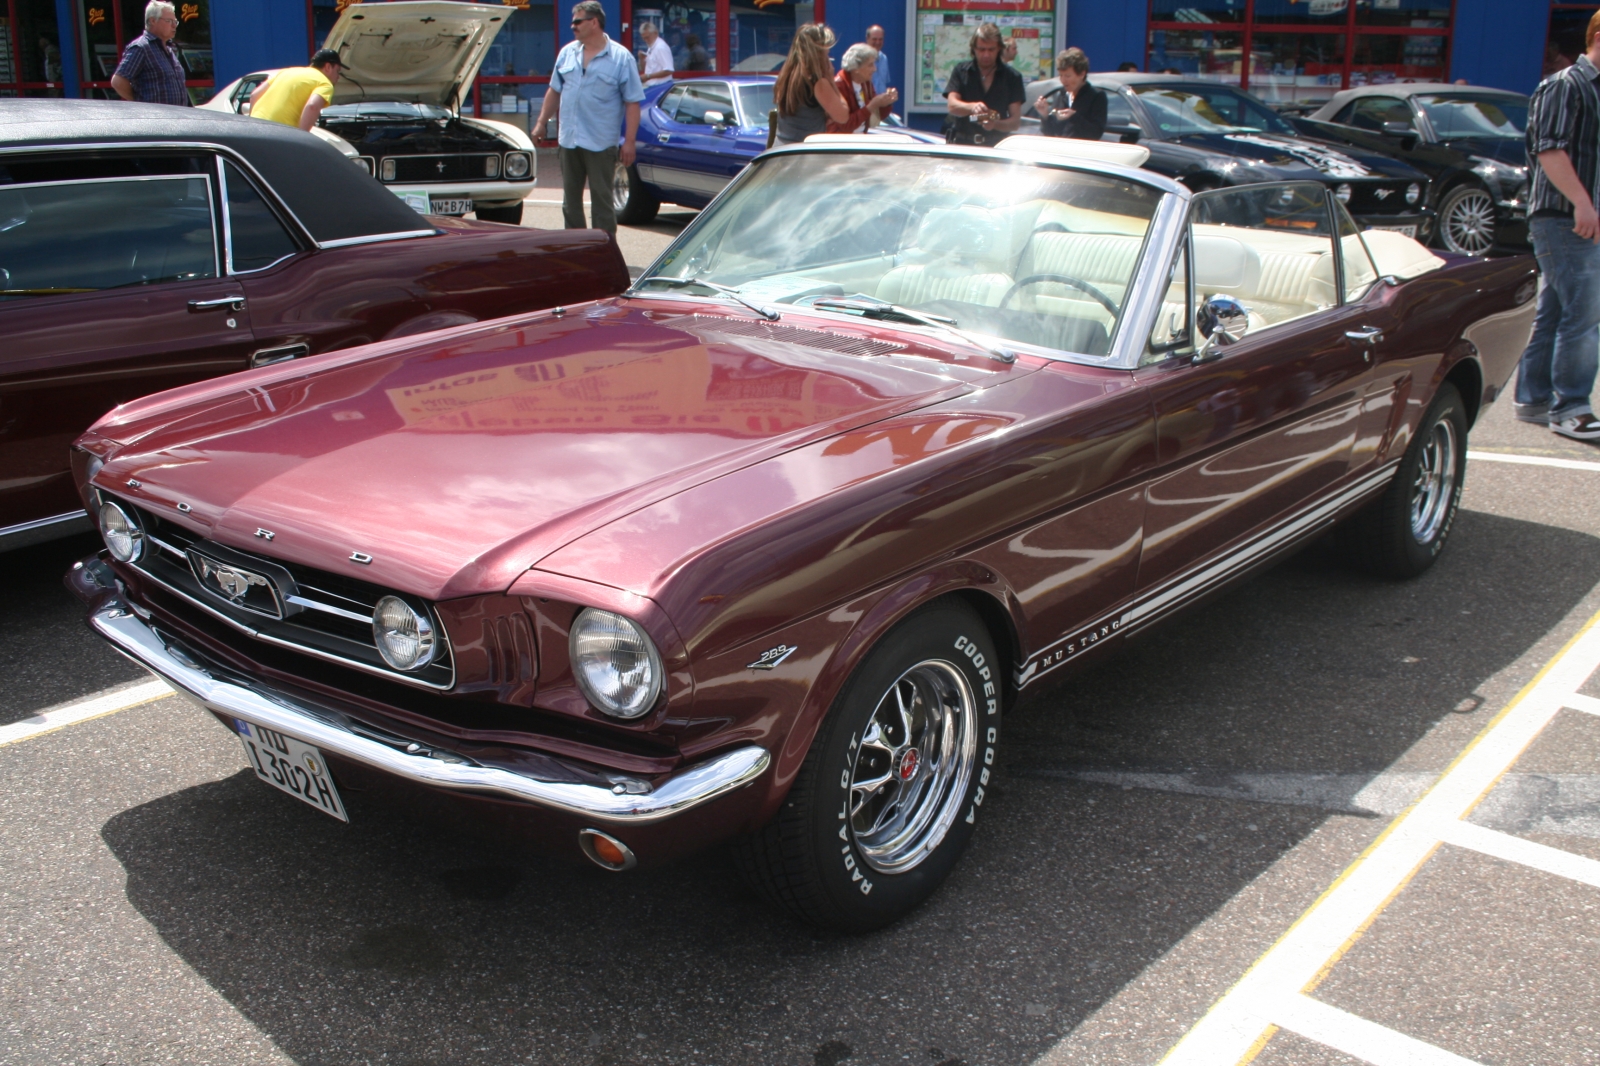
[(772, 657)]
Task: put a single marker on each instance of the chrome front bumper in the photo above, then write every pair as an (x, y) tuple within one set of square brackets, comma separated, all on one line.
[(619, 804)]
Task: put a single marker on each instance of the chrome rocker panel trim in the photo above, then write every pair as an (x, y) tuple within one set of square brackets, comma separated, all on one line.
[(616, 805), (40, 530)]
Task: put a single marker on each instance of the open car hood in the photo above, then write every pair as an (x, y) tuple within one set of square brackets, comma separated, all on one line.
[(416, 51)]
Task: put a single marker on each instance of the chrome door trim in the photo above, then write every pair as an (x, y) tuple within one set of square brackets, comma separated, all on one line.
[(40, 530)]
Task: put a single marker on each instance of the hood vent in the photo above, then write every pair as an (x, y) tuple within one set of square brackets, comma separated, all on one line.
[(716, 328)]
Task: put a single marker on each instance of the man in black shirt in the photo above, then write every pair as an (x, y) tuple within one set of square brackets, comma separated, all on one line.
[(1077, 109), (984, 96), (1558, 367)]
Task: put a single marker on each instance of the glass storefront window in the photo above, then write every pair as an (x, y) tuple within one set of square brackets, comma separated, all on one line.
[(690, 28), (105, 27), (1333, 13), (1197, 10), (1419, 14), (1205, 53), (759, 34), (1382, 59), (1296, 68)]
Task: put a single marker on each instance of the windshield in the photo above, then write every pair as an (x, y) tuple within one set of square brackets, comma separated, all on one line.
[(1476, 116), (755, 101), (1201, 109), (1030, 254)]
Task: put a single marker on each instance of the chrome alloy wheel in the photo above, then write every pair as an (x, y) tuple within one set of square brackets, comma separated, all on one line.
[(1469, 223), (619, 187), (1436, 482), (912, 768)]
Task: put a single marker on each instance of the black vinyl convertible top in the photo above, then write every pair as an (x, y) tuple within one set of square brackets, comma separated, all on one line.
[(332, 196)]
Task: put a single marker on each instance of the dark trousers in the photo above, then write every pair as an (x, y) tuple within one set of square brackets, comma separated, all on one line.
[(579, 165)]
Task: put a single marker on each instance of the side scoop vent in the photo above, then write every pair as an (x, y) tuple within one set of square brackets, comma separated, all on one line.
[(715, 327), (508, 640)]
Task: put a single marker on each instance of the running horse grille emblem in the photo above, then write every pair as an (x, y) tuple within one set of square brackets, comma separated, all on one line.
[(237, 586), (1382, 194)]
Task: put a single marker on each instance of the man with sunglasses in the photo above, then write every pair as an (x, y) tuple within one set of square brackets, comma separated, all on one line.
[(151, 70), (595, 89)]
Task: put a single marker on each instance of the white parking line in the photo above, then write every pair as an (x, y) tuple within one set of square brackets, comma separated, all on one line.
[(1532, 460), (1358, 1037), (1274, 992), (94, 707)]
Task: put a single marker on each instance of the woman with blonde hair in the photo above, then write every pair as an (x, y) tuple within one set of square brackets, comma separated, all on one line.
[(805, 95)]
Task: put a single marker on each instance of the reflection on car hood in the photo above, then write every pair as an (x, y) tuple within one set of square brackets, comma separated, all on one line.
[(422, 51), (459, 461), (1299, 158), (1512, 151)]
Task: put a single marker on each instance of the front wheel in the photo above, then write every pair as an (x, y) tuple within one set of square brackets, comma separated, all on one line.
[(1466, 221), (889, 794), (633, 203), (1403, 531)]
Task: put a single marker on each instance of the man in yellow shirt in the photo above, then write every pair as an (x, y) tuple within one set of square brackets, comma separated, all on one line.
[(295, 96)]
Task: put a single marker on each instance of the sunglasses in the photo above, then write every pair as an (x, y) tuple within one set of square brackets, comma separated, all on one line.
[(579, 22)]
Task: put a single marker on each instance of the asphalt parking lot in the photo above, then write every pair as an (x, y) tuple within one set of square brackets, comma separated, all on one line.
[(1162, 822)]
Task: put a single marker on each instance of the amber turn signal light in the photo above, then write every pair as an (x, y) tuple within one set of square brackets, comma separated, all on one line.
[(606, 850)]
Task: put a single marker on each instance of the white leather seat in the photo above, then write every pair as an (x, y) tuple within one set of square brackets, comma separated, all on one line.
[(960, 254)]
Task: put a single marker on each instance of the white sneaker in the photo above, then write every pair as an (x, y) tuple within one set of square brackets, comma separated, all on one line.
[(1578, 427)]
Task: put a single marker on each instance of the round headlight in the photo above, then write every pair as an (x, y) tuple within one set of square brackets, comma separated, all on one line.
[(404, 635), (1343, 193), (616, 665), (122, 533), (1413, 193), (517, 164)]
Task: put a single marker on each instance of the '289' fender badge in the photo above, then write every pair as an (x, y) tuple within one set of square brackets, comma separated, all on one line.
[(772, 657)]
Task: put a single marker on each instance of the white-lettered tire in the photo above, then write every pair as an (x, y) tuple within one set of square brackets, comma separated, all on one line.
[(893, 786), (1403, 531)]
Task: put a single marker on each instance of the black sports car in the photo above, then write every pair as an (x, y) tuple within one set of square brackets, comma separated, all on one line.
[(1468, 141), (1208, 135)]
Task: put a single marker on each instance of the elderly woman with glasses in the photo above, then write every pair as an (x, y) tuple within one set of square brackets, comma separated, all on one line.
[(854, 82)]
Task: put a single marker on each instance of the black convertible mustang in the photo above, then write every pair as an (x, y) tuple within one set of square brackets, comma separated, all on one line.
[(1469, 141), (1208, 135)]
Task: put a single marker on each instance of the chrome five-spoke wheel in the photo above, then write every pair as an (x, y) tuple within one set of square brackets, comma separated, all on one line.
[(913, 766), (1435, 483)]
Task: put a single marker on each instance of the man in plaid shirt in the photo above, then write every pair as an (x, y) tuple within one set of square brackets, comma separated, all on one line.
[(150, 71)]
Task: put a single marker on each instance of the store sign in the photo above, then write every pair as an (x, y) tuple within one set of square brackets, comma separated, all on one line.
[(943, 35)]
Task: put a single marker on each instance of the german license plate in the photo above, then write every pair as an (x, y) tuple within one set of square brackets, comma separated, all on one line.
[(451, 206), (290, 766), (1409, 231)]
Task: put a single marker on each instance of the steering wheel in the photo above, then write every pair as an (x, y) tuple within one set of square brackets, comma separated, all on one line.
[(1082, 286)]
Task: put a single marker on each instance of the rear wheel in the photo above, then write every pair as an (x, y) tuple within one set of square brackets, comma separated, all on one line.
[(1403, 531), (1466, 221), (888, 796), (511, 215), (634, 205)]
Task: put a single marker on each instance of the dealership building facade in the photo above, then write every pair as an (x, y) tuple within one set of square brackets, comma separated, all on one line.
[(1281, 50)]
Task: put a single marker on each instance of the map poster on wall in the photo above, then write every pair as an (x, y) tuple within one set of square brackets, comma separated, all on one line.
[(942, 32)]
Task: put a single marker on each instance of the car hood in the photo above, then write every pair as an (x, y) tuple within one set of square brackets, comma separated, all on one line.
[(417, 51), (459, 461), (1297, 158), (1512, 151)]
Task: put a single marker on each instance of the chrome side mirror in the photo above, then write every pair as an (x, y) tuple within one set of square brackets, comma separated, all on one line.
[(1221, 320), (717, 119)]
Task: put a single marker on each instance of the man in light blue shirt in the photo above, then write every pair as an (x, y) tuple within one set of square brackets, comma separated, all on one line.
[(595, 85), (880, 76)]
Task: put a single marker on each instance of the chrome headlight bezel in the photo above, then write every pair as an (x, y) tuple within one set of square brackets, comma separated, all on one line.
[(630, 695), (121, 531), (518, 165), (1343, 192), (390, 616)]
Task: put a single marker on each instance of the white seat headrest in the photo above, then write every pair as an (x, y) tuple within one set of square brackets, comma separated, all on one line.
[(1129, 155), (1225, 264), (973, 237)]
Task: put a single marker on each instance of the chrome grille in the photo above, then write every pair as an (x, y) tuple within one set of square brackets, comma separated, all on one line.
[(331, 614)]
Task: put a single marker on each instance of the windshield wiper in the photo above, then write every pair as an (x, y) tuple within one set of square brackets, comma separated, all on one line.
[(872, 307), (727, 290)]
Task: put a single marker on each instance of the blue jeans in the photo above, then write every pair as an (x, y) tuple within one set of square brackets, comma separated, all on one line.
[(1558, 366)]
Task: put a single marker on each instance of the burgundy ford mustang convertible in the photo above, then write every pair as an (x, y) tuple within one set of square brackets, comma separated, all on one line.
[(761, 550)]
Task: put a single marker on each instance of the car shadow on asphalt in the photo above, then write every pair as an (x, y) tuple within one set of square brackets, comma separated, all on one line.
[(391, 940)]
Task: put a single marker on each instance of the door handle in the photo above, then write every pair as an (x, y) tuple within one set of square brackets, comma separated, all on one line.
[(663, 137), (1368, 335), (268, 356), (232, 303)]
